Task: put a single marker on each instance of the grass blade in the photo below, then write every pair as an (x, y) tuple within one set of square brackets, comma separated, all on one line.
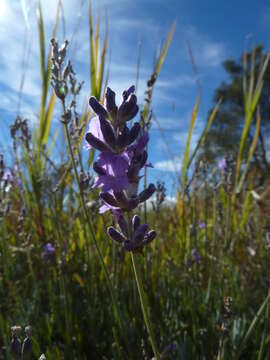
[(252, 326), (187, 149)]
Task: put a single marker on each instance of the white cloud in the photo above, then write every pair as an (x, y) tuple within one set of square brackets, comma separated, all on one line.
[(168, 123), (171, 165), (213, 53), (206, 52), (170, 200), (177, 81)]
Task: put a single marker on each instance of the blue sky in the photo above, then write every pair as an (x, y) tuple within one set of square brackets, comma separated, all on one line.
[(216, 30)]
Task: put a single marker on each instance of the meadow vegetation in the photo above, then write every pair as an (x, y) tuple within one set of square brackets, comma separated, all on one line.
[(203, 281)]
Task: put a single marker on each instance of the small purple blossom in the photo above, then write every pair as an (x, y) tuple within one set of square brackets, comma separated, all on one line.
[(196, 256), (169, 350), (202, 225), (11, 177), (94, 129), (137, 239), (48, 252), (113, 171), (8, 176), (222, 164)]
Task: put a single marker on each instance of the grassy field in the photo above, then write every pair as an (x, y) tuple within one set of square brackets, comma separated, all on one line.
[(205, 276)]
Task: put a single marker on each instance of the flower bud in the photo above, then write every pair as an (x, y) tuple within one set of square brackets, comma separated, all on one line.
[(126, 93), (109, 199), (110, 100), (134, 132), (123, 138), (141, 143), (121, 199), (95, 142), (128, 109), (107, 131), (26, 348), (147, 193), (115, 235), (143, 159), (123, 225), (136, 222), (149, 237), (97, 107), (98, 169)]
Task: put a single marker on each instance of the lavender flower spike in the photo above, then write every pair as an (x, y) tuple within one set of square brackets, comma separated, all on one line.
[(122, 155), (121, 158)]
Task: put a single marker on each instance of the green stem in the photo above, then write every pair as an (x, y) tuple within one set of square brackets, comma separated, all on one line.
[(143, 306), (90, 227)]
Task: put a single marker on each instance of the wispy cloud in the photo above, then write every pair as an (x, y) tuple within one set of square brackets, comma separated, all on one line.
[(171, 165), (168, 123), (177, 81), (207, 52)]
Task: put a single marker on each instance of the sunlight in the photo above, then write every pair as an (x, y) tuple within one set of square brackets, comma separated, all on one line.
[(3, 8)]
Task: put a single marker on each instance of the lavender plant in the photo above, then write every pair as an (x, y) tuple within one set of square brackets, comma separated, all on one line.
[(60, 77), (122, 154), (17, 351)]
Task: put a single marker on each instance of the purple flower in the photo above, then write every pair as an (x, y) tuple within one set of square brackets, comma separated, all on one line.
[(94, 129), (48, 252), (169, 350), (202, 225), (122, 155), (102, 134), (8, 176), (140, 236), (196, 256), (113, 171), (222, 164)]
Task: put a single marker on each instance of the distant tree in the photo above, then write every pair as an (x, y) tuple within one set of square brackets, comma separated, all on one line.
[(224, 136)]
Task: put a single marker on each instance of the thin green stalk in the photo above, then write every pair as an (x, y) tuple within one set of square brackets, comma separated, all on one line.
[(143, 306), (252, 326), (260, 356), (90, 227)]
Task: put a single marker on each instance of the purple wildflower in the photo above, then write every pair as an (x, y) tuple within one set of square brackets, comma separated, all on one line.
[(49, 251), (202, 225), (139, 237), (196, 256), (222, 164), (169, 350), (122, 156), (8, 176), (112, 173), (94, 129)]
